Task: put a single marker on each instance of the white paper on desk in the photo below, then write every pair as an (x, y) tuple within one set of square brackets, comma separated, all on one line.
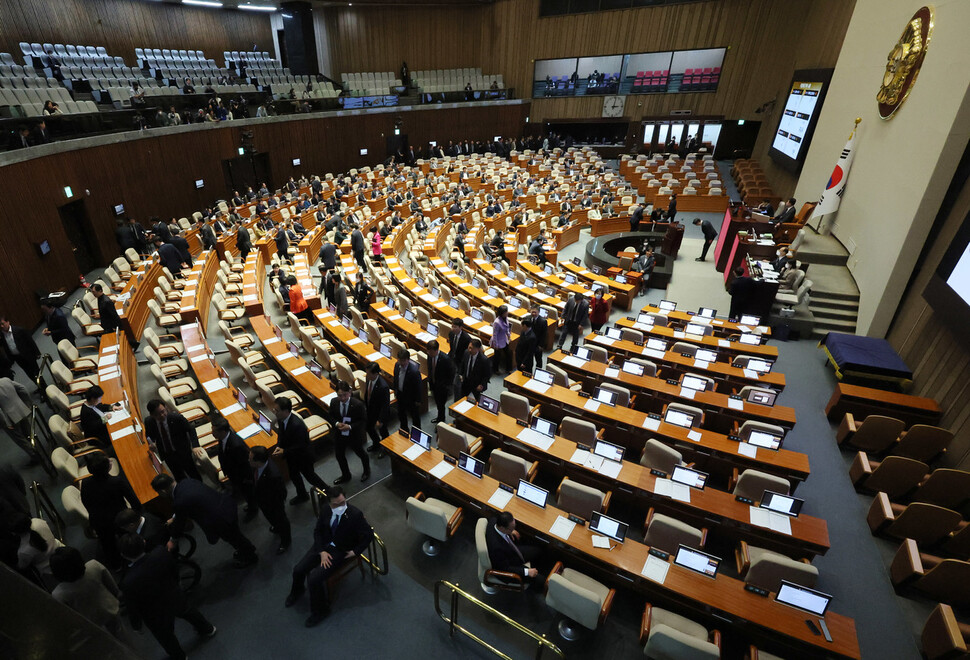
[(249, 431), (199, 358), (194, 348), (747, 449), (182, 310), (716, 322), (601, 541), (427, 297), (117, 416), (335, 323), (413, 452), (250, 298), (749, 373), (642, 326), (211, 386), (680, 334), (562, 528), (723, 343), (735, 404), (439, 304), (375, 357), (423, 336), (109, 375), (603, 339), (672, 489), (702, 364), (610, 469), (441, 469), (611, 372), (231, 409), (299, 371), (574, 361), (328, 398), (534, 438), (120, 433), (744, 328), (536, 386), (651, 424), (463, 406), (694, 435), (112, 349), (654, 353), (687, 393), (354, 341), (655, 569), (108, 360), (500, 499), (271, 340), (779, 522), (485, 329), (591, 405)]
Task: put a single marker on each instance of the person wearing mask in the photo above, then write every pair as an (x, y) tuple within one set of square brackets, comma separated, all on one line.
[(350, 415), (599, 311), (501, 340)]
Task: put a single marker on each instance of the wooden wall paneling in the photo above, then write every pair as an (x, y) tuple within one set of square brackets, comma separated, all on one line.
[(122, 25)]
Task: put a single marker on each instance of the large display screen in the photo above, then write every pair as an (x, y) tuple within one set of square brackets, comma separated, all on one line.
[(798, 118), (948, 290)]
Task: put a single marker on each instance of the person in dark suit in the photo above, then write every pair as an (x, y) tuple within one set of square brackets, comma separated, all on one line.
[(138, 238), (93, 418), (636, 217), (233, 454), (108, 315), (169, 255), (57, 326), (104, 496), (171, 435), (357, 246), (458, 340), (575, 316), (214, 513), (328, 256), (537, 248), (151, 528), (293, 444), (441, 378), (525, 349), (22, 140), (505, 551), (270, 494), (153, 597), (709, 235), (341, 534), (672, 208), (377, 399), (17, 346), (182, 246), (540, 326), (407, 388), (161, 230), (338, 295), (350, 417), (282, 241), (237, 199), (363, 293), (13, 491), (243, 241), (475, 370), (206, 235), (787, 215), (742, 291)]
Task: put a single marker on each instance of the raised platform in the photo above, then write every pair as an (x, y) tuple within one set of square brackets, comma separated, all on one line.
[(602, 251)]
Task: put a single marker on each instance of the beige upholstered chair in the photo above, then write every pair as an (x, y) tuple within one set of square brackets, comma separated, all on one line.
[(509, 469), (434, 518), (766, 569), (752, 484), (581, 599), (581, 500), (451, 441), (669, 636), (515, 405), (667, 534), (579, 431), (658, 456)]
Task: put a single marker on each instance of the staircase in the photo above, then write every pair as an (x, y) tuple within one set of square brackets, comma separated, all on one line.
[(834, 300)]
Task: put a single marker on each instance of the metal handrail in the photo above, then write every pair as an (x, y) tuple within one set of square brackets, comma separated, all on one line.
[(43, 453), (376, 547), (47, 510), (456, 591)]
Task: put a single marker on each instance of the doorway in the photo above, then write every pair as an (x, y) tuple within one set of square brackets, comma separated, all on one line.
[(80, 232), (244, 171)]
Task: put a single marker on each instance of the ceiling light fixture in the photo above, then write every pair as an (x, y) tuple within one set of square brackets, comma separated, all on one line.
[(202, 3), (250, 7)]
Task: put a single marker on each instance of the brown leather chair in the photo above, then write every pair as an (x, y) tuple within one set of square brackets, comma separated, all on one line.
[(927, 524), (945, 487), (945, 638), (894, 475), (923, 442), (876, 433), (943, 580)]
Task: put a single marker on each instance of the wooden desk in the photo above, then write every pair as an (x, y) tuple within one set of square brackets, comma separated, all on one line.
[(315, 390), (611, 225), (254, 274), (138, 290), (723, 347), (864, 401), (809, 535), (722, 327), (713, 452), (199, 285), (624, 293), (722, 596), (655, 392), (539, 274)]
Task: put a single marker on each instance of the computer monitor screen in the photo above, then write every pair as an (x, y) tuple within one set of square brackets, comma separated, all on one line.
[(362, 335), (345, 322), (605, 396), (780, 503), (544, 426), (614, 333), (547, 270), (657, 344), (453, 303), (492, 291), (583, 353), (476, 282), (550, 291), (667, 305), (315, 368), (278, 331), (597, 270), (695, 329), (241, 398), (608, 450), (529, 283), (391, 303), (689, 477), (761, 397), (477, 314), (705, 355), (621, 279), (385, 350), (436, 292), (693, 383), (265, 423), (644, 318), (633, 368), (543, 376), (419, 437), (420, 282), (707, 312), (750, 339), (543, 313), (600, 524), (532, 494), (409, 316), (570, 278), (749, 319), (576, 261), (803, 598), (696, 560), (488, 403), (761, 366), (432, 329), (764, 439), (674, 416), (471, 465), (514, 302)]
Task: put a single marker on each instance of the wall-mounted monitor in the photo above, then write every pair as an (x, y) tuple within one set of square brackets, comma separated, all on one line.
[(119, 209), (296, 162), (798, 117), (199, 183)]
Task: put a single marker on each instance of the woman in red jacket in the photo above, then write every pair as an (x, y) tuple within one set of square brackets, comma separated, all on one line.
[(599, 311)]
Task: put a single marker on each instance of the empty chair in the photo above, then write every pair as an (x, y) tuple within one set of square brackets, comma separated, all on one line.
[(708, 382), (766, 569), (944, 636), (669, 636), (509, 469), (193, 410), (581, 599), (922, 442), (167, 346), (88, 326), (927, 524), (598, 354), (170, 368), (649, 368), (434, 518), (752, 484), (77, 513), (581, 500), (750, 426), (945, 487), (517, 406), (67, 382), (560, 379), (943, 580), (658, 456), (453, 442), (667, 534), (683, 348), (696, 414), (492, 580), (876, 433), (579, 431), (894, 475), (179, 387)]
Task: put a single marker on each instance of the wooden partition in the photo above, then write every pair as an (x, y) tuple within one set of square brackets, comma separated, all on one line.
[(140, 289)]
